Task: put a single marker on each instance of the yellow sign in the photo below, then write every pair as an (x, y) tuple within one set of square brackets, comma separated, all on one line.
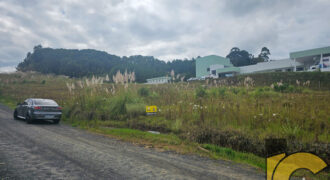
[(281, 167), (151, 109)]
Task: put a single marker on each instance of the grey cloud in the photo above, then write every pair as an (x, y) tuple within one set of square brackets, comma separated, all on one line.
[(7, 69), (241, 7), (166, 29)]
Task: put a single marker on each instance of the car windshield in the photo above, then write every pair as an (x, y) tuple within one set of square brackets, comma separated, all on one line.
[(45, 102)]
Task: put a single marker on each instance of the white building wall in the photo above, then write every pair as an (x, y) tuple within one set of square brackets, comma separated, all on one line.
[(159, 80)]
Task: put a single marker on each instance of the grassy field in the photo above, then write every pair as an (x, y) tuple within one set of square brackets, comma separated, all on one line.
[(225, 118)]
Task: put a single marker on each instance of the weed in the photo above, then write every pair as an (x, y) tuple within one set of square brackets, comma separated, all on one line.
[(230, 154), (222, 91), (144, 92), (201, 92), (235, 116)]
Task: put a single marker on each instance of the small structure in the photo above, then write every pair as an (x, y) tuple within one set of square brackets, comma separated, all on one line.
[(159, 80)]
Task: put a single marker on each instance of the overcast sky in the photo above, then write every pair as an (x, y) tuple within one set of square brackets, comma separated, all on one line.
[(166, 29)]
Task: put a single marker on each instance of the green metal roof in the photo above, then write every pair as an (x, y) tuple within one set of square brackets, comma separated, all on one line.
[(228, 69), (310, 52), (217, 59)]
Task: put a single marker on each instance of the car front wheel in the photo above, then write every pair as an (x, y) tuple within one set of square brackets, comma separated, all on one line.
[(28, 119), (15, 115)]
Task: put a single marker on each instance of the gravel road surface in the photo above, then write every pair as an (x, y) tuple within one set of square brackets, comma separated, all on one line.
[(47, 151)]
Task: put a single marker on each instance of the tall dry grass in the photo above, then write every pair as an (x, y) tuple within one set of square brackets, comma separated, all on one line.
[(232, 114)]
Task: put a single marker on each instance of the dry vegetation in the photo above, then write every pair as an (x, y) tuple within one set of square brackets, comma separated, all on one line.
[(238, 115)]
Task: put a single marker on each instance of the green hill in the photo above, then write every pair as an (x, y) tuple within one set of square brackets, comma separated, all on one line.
[(88, 62)]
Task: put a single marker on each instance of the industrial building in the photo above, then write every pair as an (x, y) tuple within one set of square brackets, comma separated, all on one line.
[(312, 59), (308, 60), (214, 66), (159, 80)]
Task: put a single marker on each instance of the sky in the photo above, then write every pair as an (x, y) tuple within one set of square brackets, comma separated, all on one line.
[(166, 29)]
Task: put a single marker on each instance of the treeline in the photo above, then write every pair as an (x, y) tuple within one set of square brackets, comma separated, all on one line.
[(88, 62)]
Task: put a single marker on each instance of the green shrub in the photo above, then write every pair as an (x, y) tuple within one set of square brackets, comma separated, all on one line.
[(213, 92), (222, 91), (306, 91), (201, 92), (132, 98), (291, 131), (264, 92), (154, 95), (126, 105), (118, 107), (230, 154), (135, 110), (235, 90), (286, 88), (242, 91), (144, 92)]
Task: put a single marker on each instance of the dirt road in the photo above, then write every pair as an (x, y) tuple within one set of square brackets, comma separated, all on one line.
[(47, 151)]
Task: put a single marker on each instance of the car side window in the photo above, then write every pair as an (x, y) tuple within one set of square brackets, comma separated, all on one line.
[(25, 103)]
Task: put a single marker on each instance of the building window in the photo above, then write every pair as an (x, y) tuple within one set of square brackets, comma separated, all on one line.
[(299, 69), (214, 72), (221, 75), (208, 69)]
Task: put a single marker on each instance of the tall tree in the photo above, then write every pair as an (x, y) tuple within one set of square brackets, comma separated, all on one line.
[(239, 57), (264, 54)]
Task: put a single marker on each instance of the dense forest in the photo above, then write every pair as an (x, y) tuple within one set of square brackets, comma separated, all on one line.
[(88, 62)]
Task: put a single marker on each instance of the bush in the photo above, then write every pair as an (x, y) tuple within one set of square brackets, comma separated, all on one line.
[(126, 105), (154, 95), (144, 92), (286, 88), (235, 90), (264, 92), (118, 107), (213, 92), (201, 92), (222, 91), (318, 80), (135, 110)]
